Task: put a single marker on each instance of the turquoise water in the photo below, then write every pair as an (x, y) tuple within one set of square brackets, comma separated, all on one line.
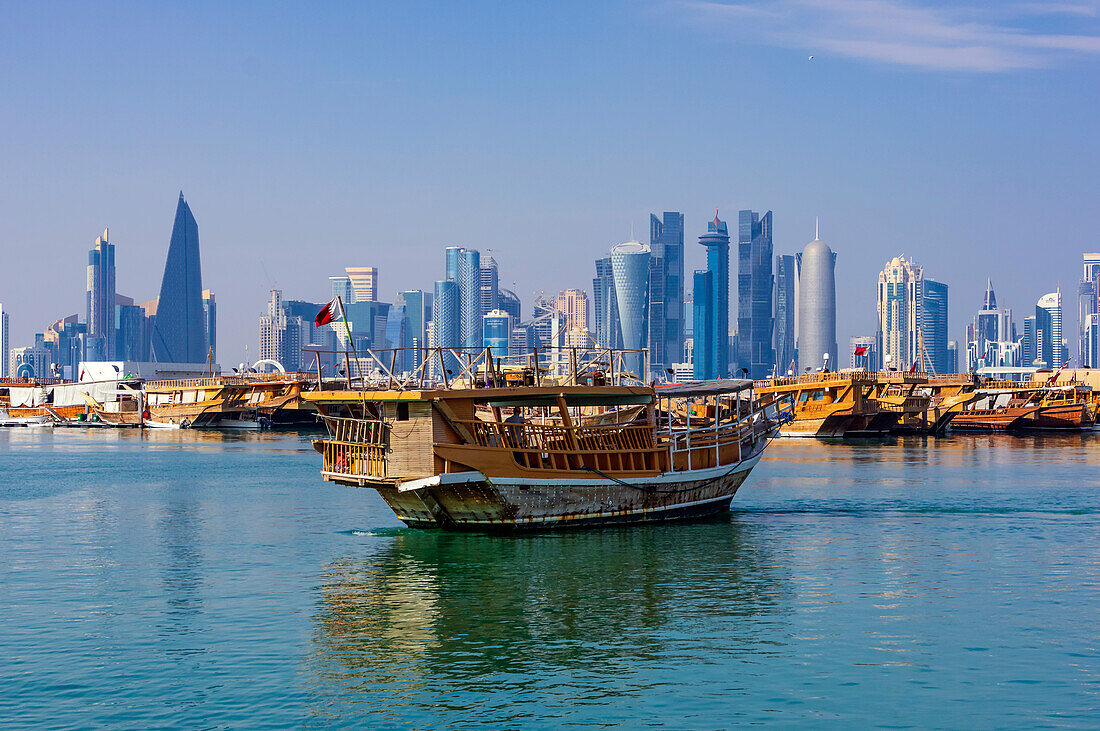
[(197, 580)]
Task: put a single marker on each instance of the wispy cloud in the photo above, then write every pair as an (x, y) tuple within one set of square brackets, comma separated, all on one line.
[(958, 37)]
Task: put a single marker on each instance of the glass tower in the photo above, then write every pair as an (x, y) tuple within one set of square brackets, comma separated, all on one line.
[(469, 288), (608, 330), (178, 332), (705, 363), (717, 243), (786, 277), (1048, 330), (498, 332), (754, 293), (630, 270), (666, 308), (490, 286), (101, 293), (937, 360), (445, 317)]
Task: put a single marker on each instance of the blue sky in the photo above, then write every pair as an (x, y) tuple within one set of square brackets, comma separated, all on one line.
[(310, 137)]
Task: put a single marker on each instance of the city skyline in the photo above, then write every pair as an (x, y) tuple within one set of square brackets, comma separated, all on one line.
[(554, 160)]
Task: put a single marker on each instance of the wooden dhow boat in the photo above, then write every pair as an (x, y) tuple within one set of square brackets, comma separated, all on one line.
[(492, 454), (1010, 406)]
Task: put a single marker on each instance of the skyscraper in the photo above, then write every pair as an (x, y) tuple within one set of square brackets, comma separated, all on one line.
[(715, 302), (900, 300), (364, 283), (469, 290), (1088, 303), (666, 242), (210, 324), (498, 332), (786, 284), (754, 293), (178, 327), (630, 269), (1048, 330), (510, 303), (5, 344), (1029, 345), (817, 305), (992, 335), (101, 293), (704, 350), (490, 286), (605, 304), (933, 323), (341, 287), (445, 314), (573, 303)]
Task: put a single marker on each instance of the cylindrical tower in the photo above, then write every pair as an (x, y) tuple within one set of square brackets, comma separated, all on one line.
[(816, 307)]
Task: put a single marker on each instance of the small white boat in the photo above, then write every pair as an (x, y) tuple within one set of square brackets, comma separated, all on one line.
[(150, 424), (41, 420)]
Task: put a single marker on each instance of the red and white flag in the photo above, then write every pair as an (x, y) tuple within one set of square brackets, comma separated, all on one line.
[(861, 350), (913, 368), (328, 313)]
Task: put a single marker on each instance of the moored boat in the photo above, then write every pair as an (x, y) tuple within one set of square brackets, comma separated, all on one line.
[(439, 460)]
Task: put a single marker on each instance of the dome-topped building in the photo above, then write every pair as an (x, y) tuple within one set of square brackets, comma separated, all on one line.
[(816, 305)]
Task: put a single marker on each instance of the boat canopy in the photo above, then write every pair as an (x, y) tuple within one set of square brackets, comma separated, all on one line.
[(714, 387)]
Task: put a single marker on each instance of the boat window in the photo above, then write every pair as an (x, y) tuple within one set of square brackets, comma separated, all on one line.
[(402, 411)]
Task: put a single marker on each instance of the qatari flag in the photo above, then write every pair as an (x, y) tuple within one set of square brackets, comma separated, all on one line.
[(328, 313), (861, 350)]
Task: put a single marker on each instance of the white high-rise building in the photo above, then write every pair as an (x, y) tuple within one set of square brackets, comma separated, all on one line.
[(1049, 346), (816, 306), (1088, 303), (3, 342), (364, 283), (900, 301)]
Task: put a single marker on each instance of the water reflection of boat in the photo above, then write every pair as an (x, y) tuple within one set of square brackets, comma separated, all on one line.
[(432, 612)]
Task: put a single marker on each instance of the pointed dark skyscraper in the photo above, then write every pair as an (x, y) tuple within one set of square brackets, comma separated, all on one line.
[(178, 325)]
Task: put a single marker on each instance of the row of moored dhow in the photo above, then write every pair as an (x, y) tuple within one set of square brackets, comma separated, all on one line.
[(250, 401), (855, 403)]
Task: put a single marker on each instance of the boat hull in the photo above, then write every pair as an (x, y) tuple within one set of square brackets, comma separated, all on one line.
[(518, 504)]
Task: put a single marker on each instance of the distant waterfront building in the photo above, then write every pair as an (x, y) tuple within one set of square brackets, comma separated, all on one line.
[(101, 292), (868, 358), (754, 293), (573, 303), (786, 285), (630, 269), (210, 324), (1048, 330), (469, 292), (364, 283), (991, 336), (519, 342), (934, 325), (900, 299), (498, 333), (31, 361), (1028, 345), (511, 304), (605, 304), (712, 338), (453, 262), (341, 287), (178, 327), (704, 347), (817, 306), (666, 306), (5, 343), (1088, 303), (273, 329), (490, 286), (418, 312), (1091, 340), (952, 356), (445, 316)]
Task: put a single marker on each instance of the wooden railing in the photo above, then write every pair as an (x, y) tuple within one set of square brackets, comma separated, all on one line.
[(347, 459), (609, 448), (356, 431)]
